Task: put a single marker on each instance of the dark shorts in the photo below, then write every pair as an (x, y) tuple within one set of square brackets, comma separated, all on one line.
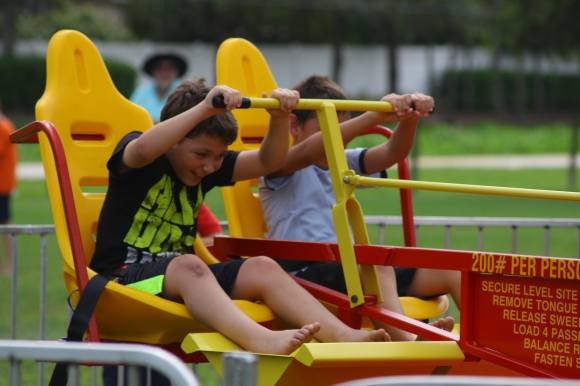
[(4, 208), (330, 275), (149, 277)]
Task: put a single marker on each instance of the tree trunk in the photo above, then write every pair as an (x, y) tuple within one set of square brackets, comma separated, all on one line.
[(498, 97), (391, 42), (452, 87), (521, 90), (538, 84), (9, 28), (430, 66), (573, 154), (468, 87), (337, 45)]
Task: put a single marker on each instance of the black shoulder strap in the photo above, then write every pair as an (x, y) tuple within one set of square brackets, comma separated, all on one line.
[(79, 323)]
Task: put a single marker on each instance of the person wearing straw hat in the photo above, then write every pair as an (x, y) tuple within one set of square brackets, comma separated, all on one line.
[(166, 69)]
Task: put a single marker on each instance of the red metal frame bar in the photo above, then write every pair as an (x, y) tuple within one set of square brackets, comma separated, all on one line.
[(72, 222), (407, 206), (404, 194), (463, 261), (353, 316), (395, 256)]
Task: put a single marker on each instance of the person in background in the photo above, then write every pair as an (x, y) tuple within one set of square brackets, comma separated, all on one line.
[(208, 226), (8, 157), (297, 199), (166, 69)]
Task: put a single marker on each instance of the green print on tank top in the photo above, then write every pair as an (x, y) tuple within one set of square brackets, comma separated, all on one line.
[(158, 225)]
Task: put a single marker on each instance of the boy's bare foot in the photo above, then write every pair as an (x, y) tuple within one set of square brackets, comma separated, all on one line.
[(379, 335), (446, 324), (285, 342)]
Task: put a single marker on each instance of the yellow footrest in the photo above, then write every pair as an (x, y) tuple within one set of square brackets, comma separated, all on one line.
[(316, 363), (380, 354)]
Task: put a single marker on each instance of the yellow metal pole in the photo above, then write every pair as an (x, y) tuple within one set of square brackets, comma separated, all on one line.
[(359, 229), (460, 188), (315, 104), (346, 203)]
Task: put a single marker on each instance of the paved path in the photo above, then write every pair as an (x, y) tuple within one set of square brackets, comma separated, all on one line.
[(34, 170), (538, 161)]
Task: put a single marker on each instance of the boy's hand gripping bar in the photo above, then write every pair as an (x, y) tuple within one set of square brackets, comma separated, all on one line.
[(310, 104), (218, 102)]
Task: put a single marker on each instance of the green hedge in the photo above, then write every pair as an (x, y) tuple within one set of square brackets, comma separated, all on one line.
[(22, 80), (123, 75), (561, 92)]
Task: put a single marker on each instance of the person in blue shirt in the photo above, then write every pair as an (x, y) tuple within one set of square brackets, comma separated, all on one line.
[(166, 69)]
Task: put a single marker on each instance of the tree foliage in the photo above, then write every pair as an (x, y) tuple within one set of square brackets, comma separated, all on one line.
[(531, 25), (85, 18), (284, 21)]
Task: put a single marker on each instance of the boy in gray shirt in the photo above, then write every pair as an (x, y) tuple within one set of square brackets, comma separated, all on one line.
[(298, 198)]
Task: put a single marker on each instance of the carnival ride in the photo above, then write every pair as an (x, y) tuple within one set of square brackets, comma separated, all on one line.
[(531, 301)]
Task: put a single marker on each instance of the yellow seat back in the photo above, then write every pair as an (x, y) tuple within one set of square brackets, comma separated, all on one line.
[(91, 117), (81, 100), (242, 66)]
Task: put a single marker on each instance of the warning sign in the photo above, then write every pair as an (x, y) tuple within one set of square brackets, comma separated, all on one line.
[(532, 319)]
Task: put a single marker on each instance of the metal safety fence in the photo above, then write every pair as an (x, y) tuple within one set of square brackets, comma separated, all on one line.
[(481, 223), (132, 356), (15, 231), (239, 368)]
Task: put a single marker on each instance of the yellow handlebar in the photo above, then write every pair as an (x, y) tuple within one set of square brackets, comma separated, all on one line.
[(310, 104)]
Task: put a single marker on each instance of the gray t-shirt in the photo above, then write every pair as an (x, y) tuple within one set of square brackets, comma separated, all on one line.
[(299, 206)]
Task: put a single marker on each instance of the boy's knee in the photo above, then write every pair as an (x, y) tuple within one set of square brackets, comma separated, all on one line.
[(265, 264), (191, 264)]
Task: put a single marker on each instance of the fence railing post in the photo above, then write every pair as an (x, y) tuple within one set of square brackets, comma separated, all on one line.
[(14, 287), (240, 369)]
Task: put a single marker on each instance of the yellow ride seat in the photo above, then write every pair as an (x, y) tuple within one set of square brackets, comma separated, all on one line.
[(91, 116), (242, 66)]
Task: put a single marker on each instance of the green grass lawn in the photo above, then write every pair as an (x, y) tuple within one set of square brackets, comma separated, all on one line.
[(485, 138), (31, 206)]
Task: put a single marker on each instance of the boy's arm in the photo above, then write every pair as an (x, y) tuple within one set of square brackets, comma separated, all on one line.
[(272, 152), (311, 150), (164, 135), (397, 148)]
